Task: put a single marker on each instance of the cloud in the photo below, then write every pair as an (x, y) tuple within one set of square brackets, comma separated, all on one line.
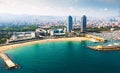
[(105, 9), (110, 1), (57, 7)]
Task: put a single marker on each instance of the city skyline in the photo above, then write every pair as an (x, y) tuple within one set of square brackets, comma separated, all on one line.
[(95, 8)]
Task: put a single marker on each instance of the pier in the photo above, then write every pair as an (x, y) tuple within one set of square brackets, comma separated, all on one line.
[(117, 39), (104, 48), (10, 64), (95, 38)]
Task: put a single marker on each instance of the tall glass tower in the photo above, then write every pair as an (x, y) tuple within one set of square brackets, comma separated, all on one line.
[(69, 25), (84, 23)]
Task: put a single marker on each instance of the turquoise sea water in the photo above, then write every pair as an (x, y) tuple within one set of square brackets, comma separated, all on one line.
[(63, 57)]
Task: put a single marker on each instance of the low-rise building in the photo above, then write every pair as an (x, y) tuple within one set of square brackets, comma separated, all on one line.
[(40, 32), (22, 36), (57, 32)]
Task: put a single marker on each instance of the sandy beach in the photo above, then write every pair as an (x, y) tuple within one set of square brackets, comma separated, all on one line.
[(74, 39)]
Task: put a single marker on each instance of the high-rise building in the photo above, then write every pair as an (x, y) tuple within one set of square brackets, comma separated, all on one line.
[(69, 25), (84, 23), (75, 20)]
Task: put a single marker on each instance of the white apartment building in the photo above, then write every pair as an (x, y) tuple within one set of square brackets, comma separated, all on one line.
[(22, 36)]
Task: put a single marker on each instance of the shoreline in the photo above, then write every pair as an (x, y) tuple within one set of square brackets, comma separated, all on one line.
[(13, 46)]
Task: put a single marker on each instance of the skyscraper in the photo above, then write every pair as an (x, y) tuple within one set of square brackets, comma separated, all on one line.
[(84, 23), (69, 25), (75, 20)]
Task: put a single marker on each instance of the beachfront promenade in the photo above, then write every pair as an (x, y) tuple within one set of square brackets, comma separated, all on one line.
[(13, 46), (8, 61), (16, 45)]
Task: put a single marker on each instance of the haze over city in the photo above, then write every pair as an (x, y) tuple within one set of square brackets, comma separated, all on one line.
[(95, 8)]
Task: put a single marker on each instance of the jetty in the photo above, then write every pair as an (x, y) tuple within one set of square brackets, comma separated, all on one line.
[(104, 48), (117, 39), (95, 38), (10, 64)]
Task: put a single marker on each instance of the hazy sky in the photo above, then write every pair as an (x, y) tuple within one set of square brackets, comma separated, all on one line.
[(61, 7)]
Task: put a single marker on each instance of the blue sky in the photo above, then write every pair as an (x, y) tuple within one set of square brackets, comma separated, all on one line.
[(85, 3), (96, 8)]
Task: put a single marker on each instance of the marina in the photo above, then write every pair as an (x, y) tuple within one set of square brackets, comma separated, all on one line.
[(108, 35)]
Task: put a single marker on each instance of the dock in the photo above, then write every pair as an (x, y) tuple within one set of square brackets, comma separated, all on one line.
[(10, 64), (95, 38), (117, 39), (104, 48)]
